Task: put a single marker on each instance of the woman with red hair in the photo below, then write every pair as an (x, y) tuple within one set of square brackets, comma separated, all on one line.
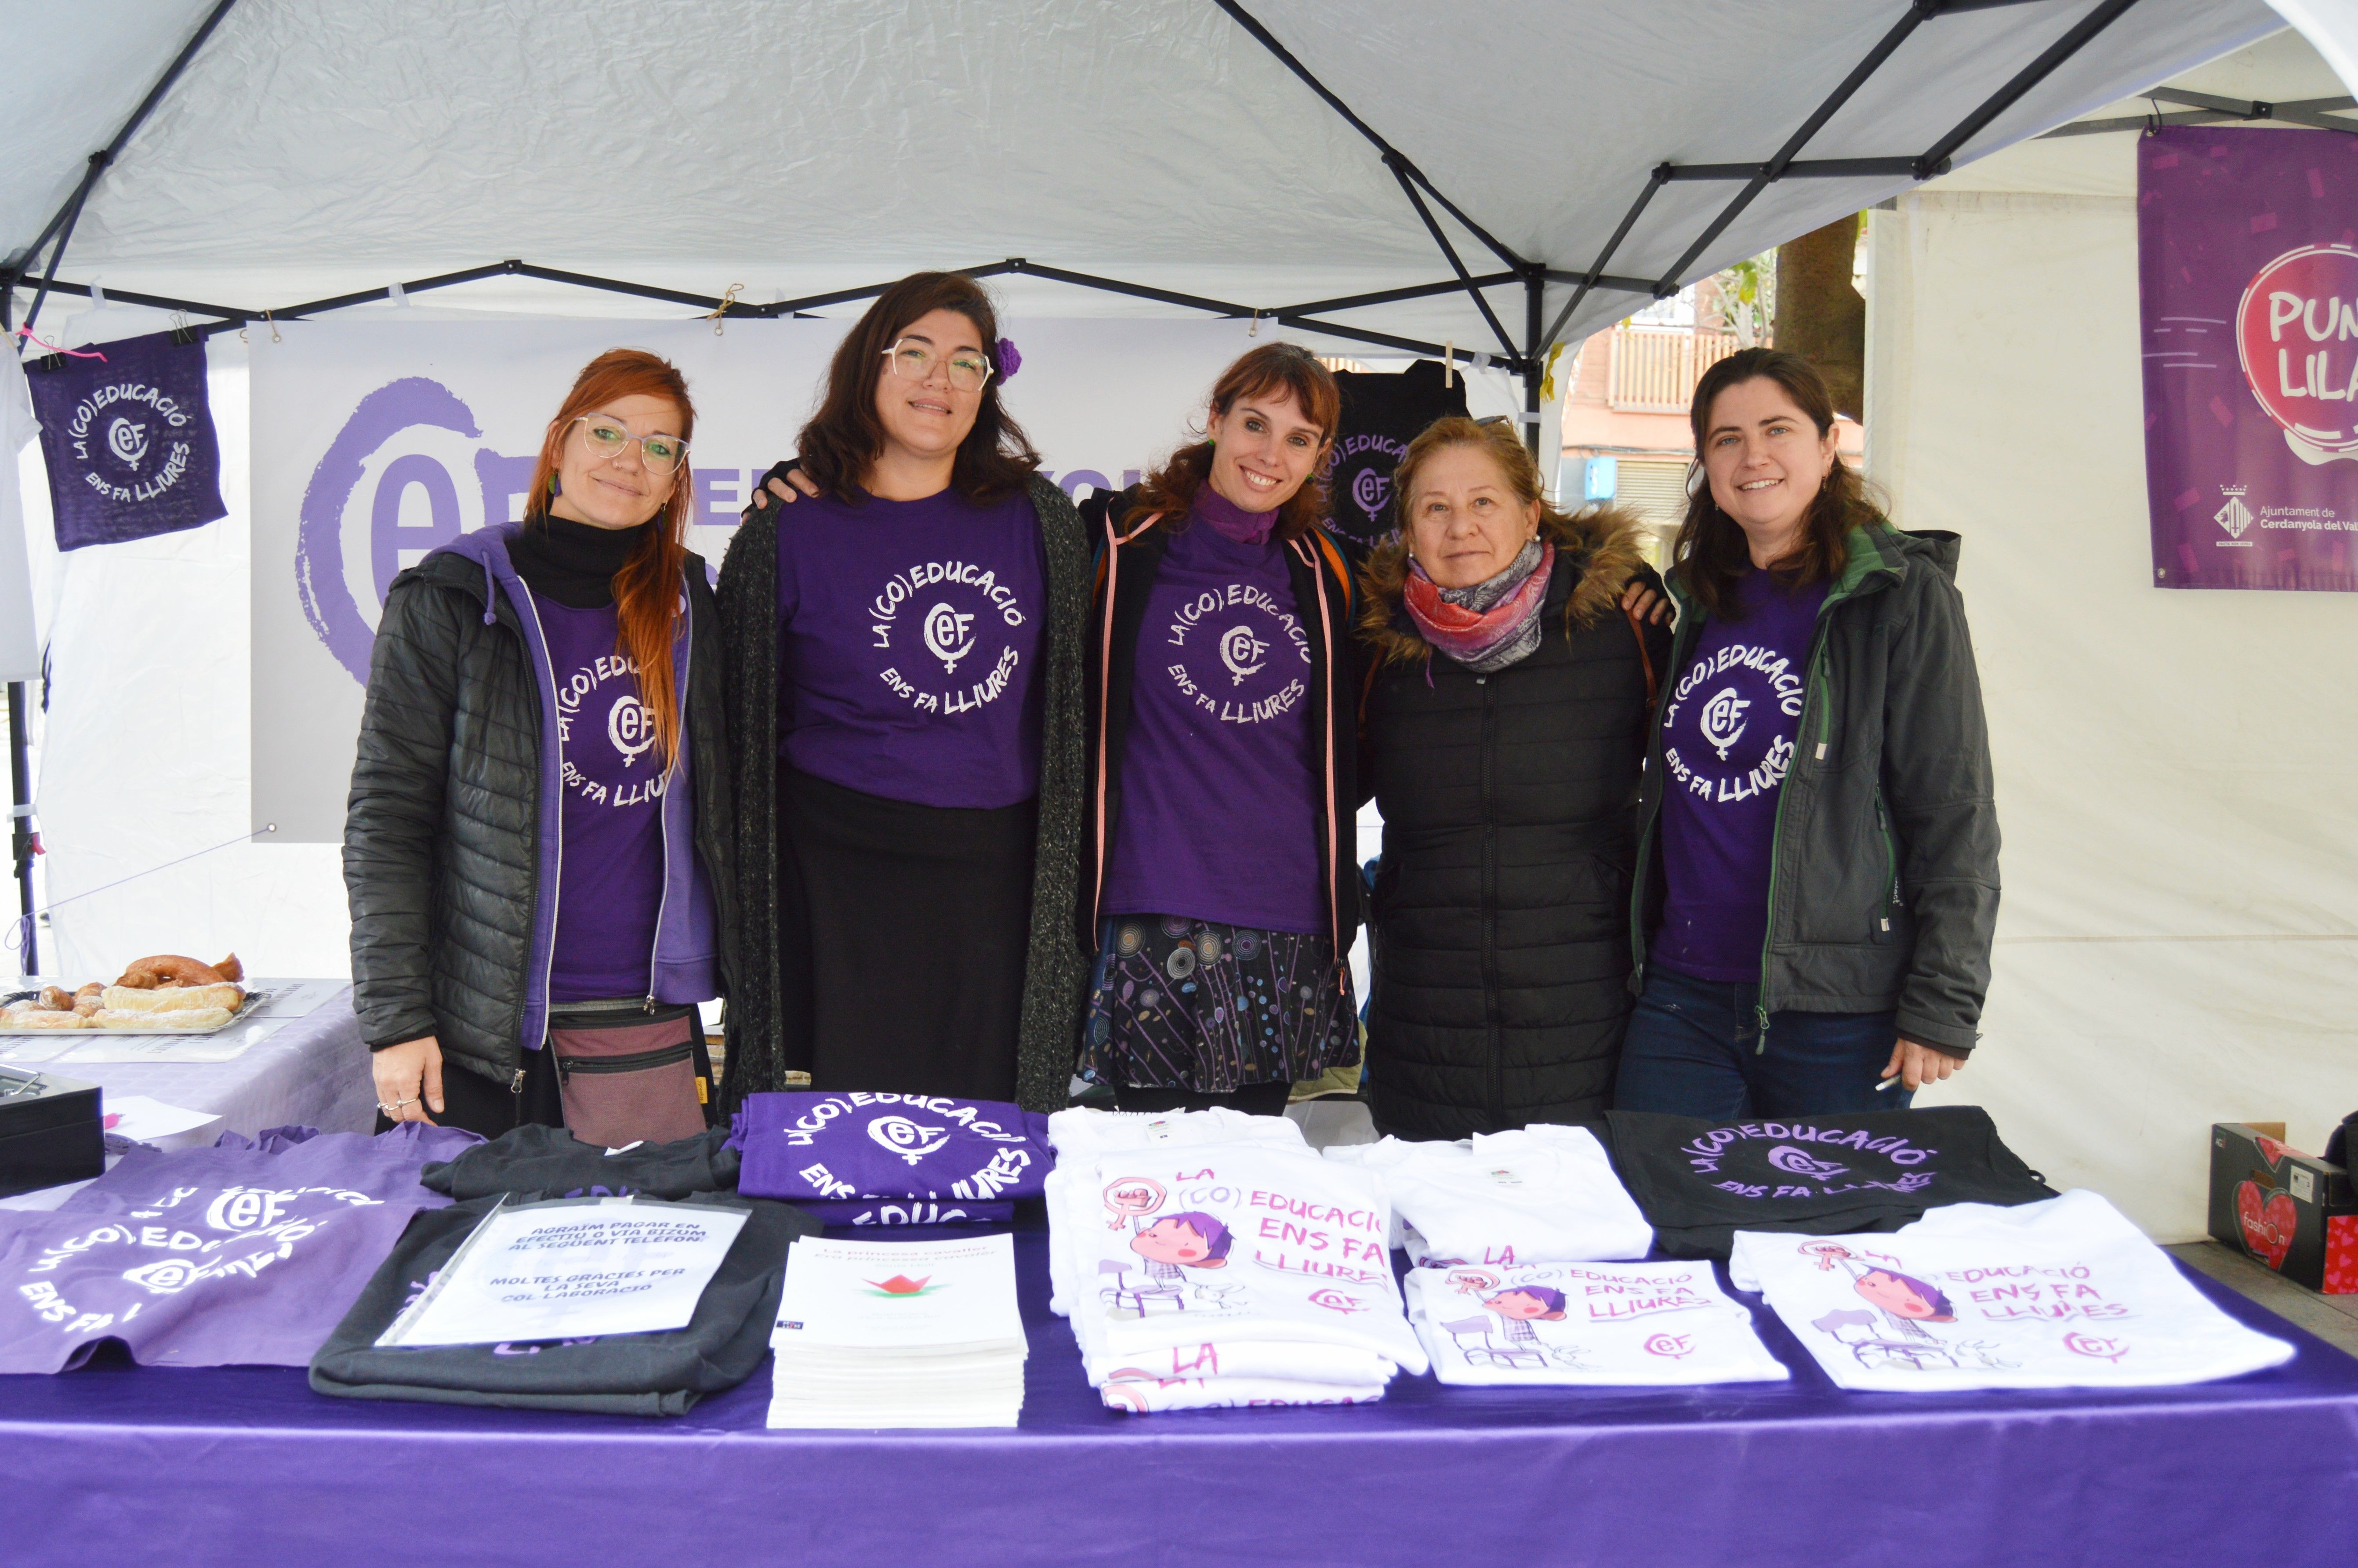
[(536, 844)]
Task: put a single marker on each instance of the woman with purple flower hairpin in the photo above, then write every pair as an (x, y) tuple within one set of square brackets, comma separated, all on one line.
[(904, 649)]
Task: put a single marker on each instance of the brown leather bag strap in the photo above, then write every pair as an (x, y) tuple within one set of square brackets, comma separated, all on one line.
[(1645, 658)]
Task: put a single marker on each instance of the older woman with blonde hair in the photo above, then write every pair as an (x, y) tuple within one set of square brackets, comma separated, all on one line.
[(1501, 737)]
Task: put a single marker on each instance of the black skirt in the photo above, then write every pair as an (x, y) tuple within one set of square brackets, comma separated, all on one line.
[(902, 936)]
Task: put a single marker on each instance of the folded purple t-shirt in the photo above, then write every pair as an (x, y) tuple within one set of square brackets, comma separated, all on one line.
[(905, 1211), (801, 1146)]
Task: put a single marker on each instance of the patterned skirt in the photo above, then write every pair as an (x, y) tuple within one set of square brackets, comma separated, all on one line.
[(1194, 1004)]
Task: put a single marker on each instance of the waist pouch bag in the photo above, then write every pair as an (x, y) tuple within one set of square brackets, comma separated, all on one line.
[(621, 1374), (628, 1076), (550, 1160), (1701, 1182)]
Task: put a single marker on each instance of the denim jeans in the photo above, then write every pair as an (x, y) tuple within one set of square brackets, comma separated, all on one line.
[(1693, 1049)]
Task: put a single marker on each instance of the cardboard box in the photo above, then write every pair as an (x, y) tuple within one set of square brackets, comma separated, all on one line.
[(2289, 1210)]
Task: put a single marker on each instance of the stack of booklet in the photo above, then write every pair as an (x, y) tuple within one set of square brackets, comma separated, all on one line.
[(882, 1334)]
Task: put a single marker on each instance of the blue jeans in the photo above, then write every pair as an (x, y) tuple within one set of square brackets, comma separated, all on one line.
[(1692, 1050)]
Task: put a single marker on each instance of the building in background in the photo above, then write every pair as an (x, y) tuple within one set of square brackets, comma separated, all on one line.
[(1625, 415)]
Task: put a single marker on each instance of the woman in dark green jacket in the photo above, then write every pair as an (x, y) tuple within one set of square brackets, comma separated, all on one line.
[(1819, 842)]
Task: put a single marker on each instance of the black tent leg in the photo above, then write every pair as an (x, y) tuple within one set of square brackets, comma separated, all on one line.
[(1534, 364), (21, 820)]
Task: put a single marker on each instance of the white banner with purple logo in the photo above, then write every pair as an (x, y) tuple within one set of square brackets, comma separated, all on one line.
[(376, 442)]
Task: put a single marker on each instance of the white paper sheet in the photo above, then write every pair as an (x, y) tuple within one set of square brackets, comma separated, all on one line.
[(143, 1120), (900, 1295), (575, 1269)]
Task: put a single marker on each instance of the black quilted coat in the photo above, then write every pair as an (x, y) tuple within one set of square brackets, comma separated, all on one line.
[(1499, 909), (440, 862)]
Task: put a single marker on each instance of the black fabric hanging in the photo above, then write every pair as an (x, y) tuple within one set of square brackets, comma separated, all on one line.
[(1701, 1182), (1382, 413)]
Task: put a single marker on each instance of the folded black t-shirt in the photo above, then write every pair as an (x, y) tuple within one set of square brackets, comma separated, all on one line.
[(549, 1160), (1701, 1182), (623, 1374)]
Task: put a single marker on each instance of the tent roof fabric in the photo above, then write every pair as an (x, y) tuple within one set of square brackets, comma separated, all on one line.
[(315, 146)]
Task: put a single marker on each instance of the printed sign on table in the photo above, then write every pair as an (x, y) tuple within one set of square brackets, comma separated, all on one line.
[(2247, 256)]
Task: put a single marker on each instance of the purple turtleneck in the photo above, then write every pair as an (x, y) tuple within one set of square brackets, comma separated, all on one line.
[(1219, 800)]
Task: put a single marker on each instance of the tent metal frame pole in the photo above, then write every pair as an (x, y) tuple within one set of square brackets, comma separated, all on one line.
[(1457, 264), (2048, 60), (1774, 169), (62, 222), (1394, 157), (1534, 307), (20, 818), (234, 318)]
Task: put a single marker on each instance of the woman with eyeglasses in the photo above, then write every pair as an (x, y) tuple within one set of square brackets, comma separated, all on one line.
[(904, 650), (536, 847)]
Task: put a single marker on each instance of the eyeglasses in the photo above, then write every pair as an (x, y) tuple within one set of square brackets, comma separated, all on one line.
[(608, 438), (914, 361)]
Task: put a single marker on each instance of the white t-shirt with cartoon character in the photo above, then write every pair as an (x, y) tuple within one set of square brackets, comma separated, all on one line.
[(2062, 1294), (1605, 1323)]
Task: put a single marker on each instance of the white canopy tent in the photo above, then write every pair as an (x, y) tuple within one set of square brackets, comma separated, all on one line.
[(1341, 168), (1295, 157)]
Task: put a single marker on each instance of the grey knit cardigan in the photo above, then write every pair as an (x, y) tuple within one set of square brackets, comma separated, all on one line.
[(1057, 970)]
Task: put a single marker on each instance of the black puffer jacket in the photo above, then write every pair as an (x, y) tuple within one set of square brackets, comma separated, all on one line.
[(441, 833), (1508, 802)]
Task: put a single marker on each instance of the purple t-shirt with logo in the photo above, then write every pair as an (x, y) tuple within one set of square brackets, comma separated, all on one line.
[(1728, 726), (800, 1145), (908, 640), (212, 1257), (611, 774), (1219, 801)]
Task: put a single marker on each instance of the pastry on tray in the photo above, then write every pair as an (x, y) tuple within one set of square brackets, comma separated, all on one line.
[(193, 1019), (172, 998)]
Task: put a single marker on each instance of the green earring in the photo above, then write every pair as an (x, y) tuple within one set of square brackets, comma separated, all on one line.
[(552, 485)]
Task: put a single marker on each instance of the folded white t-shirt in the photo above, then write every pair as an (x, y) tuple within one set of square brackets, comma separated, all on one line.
[(1604, 1323), (1230, 1243), (1080, 1135), (1293, 1361), (2062, 1294), (1143, 1395), (1540, 1194)]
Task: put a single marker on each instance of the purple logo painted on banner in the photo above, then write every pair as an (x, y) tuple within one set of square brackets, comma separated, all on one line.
[(320, 579), (2247, 258)]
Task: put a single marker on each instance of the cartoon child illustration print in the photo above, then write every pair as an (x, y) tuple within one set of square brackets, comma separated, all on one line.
[(1169, 1247), (1907, 1301), (1904, 1304), (1520, 1307)]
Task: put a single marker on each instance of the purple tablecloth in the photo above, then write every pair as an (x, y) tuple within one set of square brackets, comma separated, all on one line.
[(248, 1465)]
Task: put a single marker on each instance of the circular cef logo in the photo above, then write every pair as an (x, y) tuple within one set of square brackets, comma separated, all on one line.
[(128, 438), (944, 635), (2297, 331), (1237, 653)]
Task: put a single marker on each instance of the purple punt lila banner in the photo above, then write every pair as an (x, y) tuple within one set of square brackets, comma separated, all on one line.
[(2247, 265)]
